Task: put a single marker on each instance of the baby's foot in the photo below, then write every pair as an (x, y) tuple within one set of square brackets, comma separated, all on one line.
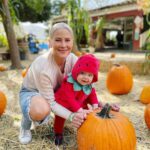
[(58, 139)]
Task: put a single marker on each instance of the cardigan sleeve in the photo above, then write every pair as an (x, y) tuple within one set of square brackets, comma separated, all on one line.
[(47, 92), (92, 98), (65, 96)]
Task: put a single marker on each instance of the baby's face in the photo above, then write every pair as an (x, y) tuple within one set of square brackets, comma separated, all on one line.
[(85, 78)]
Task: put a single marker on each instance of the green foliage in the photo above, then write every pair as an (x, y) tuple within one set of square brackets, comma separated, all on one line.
[(99, 27), (13, 4), (100, 24), (3, 41), (37, 5), (28, 10), (79, 20), (34, 10), (146, 45), (146, 64), (148, 18), (57, 7)]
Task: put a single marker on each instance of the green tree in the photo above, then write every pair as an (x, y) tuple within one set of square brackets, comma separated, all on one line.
[(79, 20), (8, 26), (57, 7), (34, 11), (9, 12)]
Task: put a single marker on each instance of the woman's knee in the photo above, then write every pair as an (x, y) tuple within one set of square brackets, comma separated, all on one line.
[(39, 108)]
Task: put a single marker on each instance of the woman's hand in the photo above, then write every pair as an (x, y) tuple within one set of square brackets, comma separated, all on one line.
[(78, 119), (80, 116)]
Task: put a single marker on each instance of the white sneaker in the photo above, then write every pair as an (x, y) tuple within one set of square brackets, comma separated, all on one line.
[(25, 136)]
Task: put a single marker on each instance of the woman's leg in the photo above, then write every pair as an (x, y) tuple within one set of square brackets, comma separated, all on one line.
[(34, 108), (39, 108)]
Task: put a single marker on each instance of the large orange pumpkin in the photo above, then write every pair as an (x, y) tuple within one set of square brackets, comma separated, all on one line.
[(147, 116), (145, 95), (106, 130), (3, 102), (119, 79)]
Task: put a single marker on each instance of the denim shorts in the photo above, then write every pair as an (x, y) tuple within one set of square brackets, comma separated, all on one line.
[(25, 96)]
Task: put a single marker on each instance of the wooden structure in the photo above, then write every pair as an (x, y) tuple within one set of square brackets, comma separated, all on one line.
[(124, 14)]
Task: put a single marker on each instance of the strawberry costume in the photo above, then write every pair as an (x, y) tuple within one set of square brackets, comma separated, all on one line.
[(73, 95)]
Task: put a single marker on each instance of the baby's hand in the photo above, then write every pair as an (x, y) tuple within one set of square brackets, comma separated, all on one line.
[(80, 110), (100, 105), (115, 107), (94, 106)]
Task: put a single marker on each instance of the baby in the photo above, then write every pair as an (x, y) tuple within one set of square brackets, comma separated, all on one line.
[(77, 91)]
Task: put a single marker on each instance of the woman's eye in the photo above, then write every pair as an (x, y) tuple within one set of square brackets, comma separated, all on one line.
[(67, 40), (57, 40)]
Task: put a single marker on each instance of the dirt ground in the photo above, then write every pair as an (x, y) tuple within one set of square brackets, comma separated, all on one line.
[(10, 83)]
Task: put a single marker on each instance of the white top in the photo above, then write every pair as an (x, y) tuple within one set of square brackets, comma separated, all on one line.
[(45, 76)]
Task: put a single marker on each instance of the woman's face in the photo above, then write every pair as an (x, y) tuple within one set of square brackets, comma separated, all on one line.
[(62, 43)]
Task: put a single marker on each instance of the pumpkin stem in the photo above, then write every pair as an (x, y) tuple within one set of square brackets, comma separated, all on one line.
[(117, 65), (105, 112)]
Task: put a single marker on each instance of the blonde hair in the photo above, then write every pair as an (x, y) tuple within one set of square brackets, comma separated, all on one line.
[(60, 25)]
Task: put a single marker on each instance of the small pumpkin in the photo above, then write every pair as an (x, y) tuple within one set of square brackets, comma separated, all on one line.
[(147, 115), (145, 95), (3, 68), (106, 130), (77, 53), (113, 55), (119, 79), (3, 102), (24, 72)]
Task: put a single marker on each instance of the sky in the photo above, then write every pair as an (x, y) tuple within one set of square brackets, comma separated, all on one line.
[(93, 4)]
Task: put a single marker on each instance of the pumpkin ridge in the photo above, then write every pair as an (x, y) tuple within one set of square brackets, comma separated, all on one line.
[(115, 127), (98, 137), (122, 135), (130, 132)]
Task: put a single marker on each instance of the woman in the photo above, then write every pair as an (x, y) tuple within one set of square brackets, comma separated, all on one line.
[(43, 79)]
